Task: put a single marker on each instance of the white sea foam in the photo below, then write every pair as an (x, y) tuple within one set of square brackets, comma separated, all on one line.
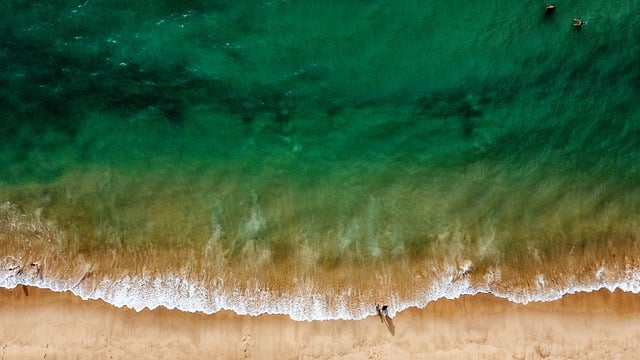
[(307, 302)]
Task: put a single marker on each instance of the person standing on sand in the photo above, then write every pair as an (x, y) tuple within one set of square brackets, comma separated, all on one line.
[(383, 314), (382, 311)]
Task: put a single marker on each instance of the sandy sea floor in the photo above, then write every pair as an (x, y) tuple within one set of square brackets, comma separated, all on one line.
[(39, 324)]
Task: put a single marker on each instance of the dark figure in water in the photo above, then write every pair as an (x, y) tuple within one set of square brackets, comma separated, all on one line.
[(36, 266), (18, 269), (549, 10)]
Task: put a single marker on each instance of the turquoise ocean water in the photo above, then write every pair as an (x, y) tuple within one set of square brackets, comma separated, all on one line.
[(310, 158)]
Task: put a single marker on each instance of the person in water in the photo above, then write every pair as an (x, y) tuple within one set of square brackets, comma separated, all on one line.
[(36, 266), (549, 10), (578, 23), (17, 269)]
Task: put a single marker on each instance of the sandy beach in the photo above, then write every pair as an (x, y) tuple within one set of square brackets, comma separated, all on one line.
[(39, 324)]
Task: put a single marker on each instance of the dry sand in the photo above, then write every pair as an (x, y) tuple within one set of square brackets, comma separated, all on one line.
[(37, 324)]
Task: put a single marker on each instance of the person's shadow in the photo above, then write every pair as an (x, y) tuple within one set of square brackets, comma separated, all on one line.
[(390, 326), (388, 321)]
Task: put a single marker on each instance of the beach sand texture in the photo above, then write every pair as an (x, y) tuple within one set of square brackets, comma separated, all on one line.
[(597, 325)]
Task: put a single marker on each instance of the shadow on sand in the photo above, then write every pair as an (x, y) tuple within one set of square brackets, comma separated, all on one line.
[(390, 325), (388, 321)]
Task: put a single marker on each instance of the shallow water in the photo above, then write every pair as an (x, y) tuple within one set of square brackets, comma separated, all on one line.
[(311, 159)]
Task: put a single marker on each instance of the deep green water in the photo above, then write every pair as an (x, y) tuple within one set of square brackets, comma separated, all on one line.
[(365, 81), (358, 129)]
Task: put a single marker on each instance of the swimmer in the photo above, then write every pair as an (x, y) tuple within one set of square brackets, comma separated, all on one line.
[(578, 23), (549, 10)]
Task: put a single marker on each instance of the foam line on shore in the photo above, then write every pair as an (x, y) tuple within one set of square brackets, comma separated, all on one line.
[(302, 304)]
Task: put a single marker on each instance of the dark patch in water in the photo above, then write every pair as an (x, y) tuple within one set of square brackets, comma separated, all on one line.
[(456, 105)]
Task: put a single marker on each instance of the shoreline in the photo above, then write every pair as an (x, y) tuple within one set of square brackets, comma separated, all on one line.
[(601, 324)]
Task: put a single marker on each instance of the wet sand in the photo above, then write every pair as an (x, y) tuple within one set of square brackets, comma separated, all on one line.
[(40, 324)]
